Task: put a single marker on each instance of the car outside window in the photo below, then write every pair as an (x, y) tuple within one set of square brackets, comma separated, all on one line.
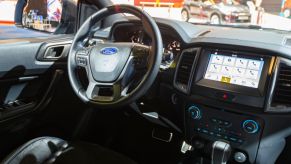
[(265, 14), (51, 16)]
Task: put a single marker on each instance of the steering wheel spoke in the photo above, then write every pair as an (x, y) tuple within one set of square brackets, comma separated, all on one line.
[(82, 58), (104, 92), (140, 55)]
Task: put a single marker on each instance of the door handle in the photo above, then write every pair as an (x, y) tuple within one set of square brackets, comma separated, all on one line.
[(53, 52)]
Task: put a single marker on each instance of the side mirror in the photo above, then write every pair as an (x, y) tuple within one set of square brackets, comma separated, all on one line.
[(44, 15)]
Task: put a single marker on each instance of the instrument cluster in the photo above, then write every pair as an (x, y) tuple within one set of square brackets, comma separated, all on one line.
[(172, 46)]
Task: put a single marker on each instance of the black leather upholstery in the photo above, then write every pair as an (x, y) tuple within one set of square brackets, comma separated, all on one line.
[(58, 151), (35, 151)]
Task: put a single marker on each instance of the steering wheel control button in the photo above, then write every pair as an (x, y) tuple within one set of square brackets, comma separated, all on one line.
[(195, 112), (139, 62), (220, 122), (240, 157), (82, 53), (214, 120), (226, 123), (240, 141), (233, 139), (205, 131), (81, 61), (250, 126)]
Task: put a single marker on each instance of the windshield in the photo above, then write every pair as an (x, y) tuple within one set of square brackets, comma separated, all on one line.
[(258, 14)]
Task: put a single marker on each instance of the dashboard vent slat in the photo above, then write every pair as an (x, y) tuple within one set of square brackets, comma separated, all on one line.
[(288, 42), (282, 90), (184, 70)]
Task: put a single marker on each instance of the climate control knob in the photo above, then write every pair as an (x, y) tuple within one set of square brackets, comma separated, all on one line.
[(195, 112), (250, 126)]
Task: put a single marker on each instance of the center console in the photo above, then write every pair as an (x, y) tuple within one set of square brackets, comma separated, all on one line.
[(209, 124), (223, 84)]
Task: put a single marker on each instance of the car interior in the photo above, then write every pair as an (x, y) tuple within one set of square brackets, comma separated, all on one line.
[(113, 84)]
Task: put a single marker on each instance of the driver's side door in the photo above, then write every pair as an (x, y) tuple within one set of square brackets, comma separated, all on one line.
[(33, 66), (32, 54)]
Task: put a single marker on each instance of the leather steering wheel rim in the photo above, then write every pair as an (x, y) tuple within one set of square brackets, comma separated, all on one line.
[(155, 55)]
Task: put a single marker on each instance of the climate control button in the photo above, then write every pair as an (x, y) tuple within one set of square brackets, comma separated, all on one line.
[(250, 126), (195, 112)]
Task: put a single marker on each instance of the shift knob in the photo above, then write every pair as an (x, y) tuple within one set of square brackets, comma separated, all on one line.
[(221, 152)]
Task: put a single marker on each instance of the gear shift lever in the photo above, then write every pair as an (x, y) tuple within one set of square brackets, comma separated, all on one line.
[(221, 152)]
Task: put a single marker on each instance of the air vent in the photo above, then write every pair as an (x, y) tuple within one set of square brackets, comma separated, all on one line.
[(282, 91), (184, 70)]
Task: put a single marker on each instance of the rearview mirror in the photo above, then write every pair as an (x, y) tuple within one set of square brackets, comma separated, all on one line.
[(44, 15)]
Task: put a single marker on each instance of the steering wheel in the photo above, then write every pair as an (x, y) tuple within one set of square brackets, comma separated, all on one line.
[(112, 67)]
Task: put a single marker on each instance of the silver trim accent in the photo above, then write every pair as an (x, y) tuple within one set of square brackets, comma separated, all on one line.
[(240, 157), (27, 78), (152, 114), (66, 48), (168, 140), (186, 147), (222, 146), (285, 41)]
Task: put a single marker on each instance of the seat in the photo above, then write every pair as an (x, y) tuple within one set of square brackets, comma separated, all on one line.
[(57, 151)]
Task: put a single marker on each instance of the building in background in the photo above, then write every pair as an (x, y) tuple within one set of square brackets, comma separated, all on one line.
[(272, 6), (7, 8)]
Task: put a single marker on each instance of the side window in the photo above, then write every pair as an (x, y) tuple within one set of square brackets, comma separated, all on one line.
[(53, 16), (42, 15)]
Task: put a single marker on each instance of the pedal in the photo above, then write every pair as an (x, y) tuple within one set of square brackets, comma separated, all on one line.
[(162, 134)]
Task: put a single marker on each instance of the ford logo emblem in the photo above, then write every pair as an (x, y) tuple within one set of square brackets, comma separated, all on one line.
[(109, 51)]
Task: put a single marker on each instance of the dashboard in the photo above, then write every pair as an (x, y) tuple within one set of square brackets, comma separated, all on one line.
[(227, 84)]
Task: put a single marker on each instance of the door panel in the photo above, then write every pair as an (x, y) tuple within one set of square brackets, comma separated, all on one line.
[(27, 76)]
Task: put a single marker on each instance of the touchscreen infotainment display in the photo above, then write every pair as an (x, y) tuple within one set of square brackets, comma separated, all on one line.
[(233, 69)]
